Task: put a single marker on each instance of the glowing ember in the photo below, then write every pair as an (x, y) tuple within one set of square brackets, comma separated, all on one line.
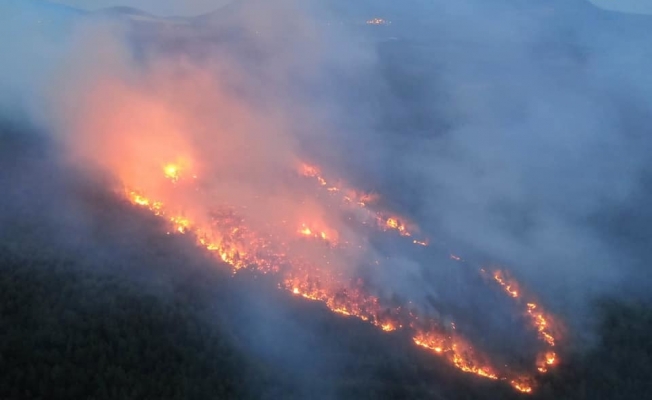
[(540, 320), (522, 385), (545, 361), (541, 323), (509, 287), (172, 172), (388, 327), (305, 231), (328, 235), (349, 196), (450, 348)]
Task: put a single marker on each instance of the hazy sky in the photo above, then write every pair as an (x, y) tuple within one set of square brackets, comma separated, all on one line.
[(157, 7), (195, 7), (634, 6)]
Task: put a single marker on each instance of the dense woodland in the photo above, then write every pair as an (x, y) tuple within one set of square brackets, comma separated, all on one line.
[(97, 302)]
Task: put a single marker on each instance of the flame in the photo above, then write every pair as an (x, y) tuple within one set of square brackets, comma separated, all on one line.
[(152, 143), (509, 287), (388, 327), (325, 234), (546, 361), (522, 385), (171, 172), (318, 285), (541, 323), (394, 223), (348, 196), (456, 351), (540, 320), (227, 236)]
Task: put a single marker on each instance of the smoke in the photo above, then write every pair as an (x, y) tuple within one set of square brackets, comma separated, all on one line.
[(516, 132), (166, 8), (511, 134)]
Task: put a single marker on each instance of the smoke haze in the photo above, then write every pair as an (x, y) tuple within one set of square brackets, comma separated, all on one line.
[(513, 135)]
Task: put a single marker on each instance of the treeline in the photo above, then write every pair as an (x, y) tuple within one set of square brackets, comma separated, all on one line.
[(68, 334)]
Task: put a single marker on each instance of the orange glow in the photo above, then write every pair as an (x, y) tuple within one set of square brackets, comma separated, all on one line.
[(388, 327), (227, 236), (172, 172), (251, 208), (349, 196), (522, 385), (510, 287), (541, 321), (545, 361), (456, 351), (395, 224), (349, 302), (325, 234)]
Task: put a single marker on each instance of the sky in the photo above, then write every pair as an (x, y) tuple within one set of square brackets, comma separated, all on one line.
[(196, 7), (164, 8), (632, 6)]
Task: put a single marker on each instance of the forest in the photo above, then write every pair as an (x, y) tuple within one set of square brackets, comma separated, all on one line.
[(98, 302)]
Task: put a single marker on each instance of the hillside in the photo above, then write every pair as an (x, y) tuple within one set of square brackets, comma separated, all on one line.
[(102, 303)]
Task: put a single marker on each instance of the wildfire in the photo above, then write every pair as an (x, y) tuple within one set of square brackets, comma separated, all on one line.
[(540, 320), (450, 348), (388, 327), (509, 287), (172, 172), (545, 361), (326, 234), (226, 236), (541, 323), (394, 223), (522, 385), (349, 196)]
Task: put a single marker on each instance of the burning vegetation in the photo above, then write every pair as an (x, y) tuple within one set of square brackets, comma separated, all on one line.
[(316, 273), (225, 171)]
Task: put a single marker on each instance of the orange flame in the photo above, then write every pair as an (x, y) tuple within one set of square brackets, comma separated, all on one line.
[(233, 243), (540, 320), (172, 172), (522, 385), (510, 287)]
